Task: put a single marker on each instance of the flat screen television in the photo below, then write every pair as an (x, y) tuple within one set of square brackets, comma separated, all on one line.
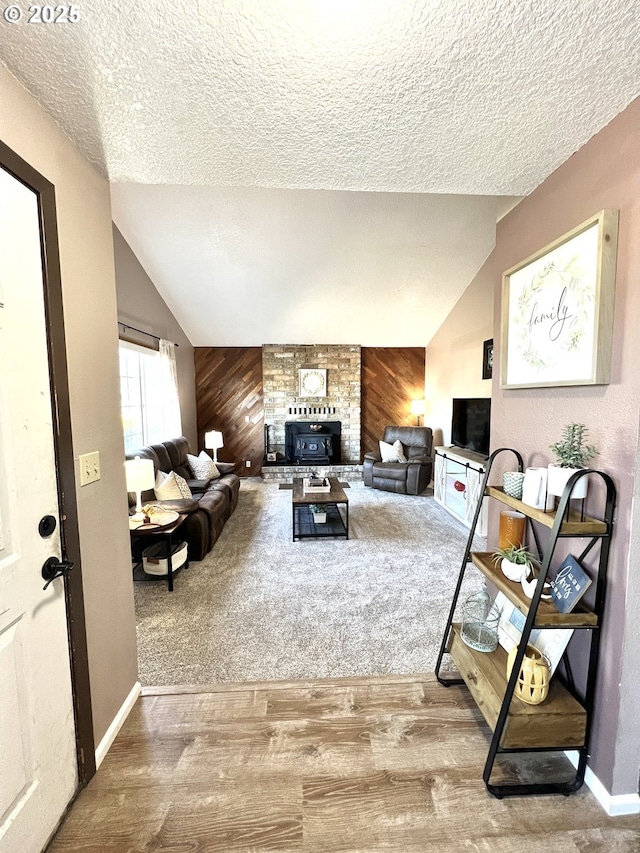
[(470, 424)]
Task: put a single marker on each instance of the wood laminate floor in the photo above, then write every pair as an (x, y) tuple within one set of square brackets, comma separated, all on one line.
[(371, 765)]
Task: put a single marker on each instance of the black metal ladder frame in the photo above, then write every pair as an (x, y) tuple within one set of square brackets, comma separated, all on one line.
[(604, 539)]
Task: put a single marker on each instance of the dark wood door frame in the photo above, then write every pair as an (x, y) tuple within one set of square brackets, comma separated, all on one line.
[(67, 497)]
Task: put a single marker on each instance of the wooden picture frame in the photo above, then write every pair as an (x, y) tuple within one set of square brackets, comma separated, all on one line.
[(557, 310), (487, 359)]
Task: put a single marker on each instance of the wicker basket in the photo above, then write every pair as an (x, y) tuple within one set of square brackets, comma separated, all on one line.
[(532, 685)]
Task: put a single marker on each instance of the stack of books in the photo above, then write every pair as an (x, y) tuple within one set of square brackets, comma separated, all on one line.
[(316, 484)]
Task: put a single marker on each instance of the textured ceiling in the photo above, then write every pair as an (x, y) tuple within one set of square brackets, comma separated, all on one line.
[(459, 97), (447, 96), (306, 266)]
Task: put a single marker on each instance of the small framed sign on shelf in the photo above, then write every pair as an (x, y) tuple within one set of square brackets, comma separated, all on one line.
[(569, 585)]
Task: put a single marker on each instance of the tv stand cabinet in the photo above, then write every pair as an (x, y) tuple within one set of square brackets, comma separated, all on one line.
[(457, 484)]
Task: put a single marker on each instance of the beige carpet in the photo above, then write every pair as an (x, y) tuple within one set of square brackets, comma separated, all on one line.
[(260, 606)]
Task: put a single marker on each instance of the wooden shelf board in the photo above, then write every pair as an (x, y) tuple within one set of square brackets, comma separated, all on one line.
[(573, 527), (547, 615), (557, 723)]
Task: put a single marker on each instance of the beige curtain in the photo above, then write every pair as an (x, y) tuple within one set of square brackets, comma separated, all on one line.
[(170, 399)]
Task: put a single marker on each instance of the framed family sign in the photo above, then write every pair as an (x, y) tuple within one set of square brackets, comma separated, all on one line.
[(557, 310)]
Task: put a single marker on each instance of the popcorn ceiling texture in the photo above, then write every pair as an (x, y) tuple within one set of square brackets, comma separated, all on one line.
[(473, 96), (222, 123)]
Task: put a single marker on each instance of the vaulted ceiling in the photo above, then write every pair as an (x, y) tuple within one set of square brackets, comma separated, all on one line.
[(272, 159)]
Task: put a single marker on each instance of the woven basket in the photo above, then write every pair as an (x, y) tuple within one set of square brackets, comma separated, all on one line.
[(532, 685)]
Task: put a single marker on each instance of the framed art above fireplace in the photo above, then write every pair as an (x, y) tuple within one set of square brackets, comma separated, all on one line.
[(313, 382)]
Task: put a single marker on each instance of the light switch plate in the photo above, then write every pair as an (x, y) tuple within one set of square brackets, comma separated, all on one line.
[(89, 468)]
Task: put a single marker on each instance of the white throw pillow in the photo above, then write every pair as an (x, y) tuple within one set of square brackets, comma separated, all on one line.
[(171, 487), (392, 452), (203, 466)]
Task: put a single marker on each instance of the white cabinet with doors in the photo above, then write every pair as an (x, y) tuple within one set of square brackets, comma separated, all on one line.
[(457, 482)]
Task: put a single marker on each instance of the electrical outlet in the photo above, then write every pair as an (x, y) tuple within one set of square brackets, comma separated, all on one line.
[(89, 468), (248, 463), (247, 419)]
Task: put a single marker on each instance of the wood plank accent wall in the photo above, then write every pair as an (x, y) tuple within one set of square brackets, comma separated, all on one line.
[(391, 378), (229, 388)]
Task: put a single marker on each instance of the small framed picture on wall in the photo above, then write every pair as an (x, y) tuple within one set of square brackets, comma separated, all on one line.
[(487, 359)]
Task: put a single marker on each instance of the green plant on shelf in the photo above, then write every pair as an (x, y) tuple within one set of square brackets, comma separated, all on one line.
[(520, 556), (571, 451)]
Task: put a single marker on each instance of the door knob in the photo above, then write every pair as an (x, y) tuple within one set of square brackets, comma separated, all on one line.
[(54, 568)]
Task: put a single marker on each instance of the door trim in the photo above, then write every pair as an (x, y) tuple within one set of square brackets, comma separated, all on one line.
[(67, 496)]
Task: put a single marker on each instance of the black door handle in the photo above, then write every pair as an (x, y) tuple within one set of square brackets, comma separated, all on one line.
[(54, 568)]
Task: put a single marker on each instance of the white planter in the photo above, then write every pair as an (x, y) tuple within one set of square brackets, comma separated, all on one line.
[(557, 480), (319, 517), (513, 571)]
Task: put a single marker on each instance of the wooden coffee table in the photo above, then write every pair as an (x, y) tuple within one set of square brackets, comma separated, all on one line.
[(337, 506)]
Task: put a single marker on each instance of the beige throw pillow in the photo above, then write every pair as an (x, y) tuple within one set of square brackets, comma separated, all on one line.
[(392, 452), (171, 487), (203, 466)]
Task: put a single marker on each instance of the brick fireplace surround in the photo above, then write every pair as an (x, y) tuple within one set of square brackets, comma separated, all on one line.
[(282, 400)]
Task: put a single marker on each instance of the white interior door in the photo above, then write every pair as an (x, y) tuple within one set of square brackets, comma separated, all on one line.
[(38, 769)]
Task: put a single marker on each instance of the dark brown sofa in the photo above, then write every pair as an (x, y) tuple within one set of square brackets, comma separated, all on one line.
[(213, 500), (408, 478)]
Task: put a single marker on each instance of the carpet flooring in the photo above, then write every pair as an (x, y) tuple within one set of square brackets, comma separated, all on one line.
[(261, 607)]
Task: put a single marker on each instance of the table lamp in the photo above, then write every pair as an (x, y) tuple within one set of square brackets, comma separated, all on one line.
[(212, 441), (418, 408), (140, 476)]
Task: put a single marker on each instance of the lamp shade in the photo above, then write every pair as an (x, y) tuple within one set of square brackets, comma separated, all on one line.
[(140, 474), (213, 440), (418, 407)]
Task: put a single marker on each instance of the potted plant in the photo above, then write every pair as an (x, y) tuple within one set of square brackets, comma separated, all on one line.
[(571, 454), (515, 562), (319, 513)]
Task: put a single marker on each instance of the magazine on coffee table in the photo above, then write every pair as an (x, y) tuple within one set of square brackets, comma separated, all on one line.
[(551, 642)]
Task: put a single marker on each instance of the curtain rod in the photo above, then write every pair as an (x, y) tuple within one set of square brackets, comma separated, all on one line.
[(141, 331)]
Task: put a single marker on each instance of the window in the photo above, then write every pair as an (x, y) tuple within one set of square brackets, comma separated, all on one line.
[(144, 395)]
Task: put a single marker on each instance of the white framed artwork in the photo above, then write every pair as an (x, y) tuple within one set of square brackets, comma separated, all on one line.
[(313, 382), (557, 310)]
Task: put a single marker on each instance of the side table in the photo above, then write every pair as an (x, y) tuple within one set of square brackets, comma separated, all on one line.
[(141, 537)]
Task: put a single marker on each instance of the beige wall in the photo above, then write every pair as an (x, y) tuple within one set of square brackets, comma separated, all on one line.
[(454, 356), (86, 257), (141, 306), (605, 173)]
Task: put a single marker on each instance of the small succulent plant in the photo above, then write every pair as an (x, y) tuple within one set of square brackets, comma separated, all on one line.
[(571, 451)]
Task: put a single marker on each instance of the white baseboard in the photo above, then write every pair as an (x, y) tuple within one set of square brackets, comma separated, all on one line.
[(614, 805), (116, 724)]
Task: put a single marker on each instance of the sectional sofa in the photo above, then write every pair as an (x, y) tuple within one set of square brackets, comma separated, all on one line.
[(212, 503)]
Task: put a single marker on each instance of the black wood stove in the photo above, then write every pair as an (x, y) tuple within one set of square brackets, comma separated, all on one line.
[(312, 442)]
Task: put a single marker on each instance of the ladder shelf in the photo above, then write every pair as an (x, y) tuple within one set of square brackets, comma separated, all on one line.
[(563, 721)]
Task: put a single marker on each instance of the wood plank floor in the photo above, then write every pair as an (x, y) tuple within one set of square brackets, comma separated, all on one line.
[(353, 765)]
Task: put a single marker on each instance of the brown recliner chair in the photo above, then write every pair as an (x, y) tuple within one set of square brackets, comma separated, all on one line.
[(407, 478)]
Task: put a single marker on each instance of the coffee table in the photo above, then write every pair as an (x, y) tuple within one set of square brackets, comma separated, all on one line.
[(337, 506)]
